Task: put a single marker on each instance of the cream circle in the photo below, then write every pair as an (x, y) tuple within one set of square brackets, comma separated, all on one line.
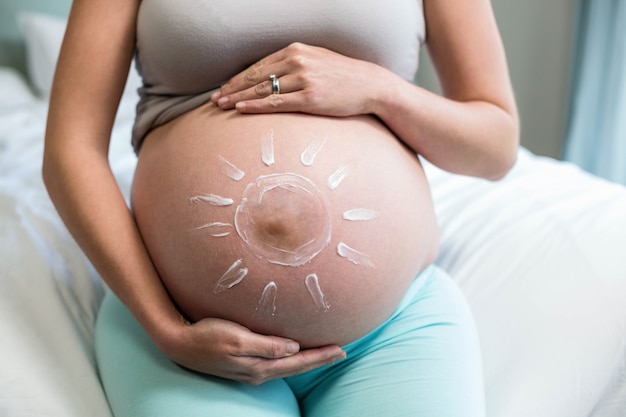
[(305, 193)]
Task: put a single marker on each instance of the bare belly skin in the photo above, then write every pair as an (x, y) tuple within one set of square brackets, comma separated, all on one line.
[(293, 225)]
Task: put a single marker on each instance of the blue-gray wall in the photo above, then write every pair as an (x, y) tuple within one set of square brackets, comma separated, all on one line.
[(537, 36), (11, 45)]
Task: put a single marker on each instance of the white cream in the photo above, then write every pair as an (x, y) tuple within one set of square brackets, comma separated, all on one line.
[(267, 302), (214, 200), (267, 148), (360, 214), (233, 276), (313, 286), (310, 153), (216, 229), (293, 186), (337, 177), (354, 256), (231, 170)]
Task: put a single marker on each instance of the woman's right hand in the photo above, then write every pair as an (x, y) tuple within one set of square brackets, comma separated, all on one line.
[(226, 349)]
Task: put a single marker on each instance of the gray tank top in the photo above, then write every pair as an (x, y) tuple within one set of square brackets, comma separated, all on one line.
[(186, 49)]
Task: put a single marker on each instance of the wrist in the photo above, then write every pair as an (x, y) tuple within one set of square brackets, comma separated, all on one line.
[(168, 337), (164, 325), (384, 92)]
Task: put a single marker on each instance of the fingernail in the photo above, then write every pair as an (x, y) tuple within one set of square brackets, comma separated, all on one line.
[(216, 96), (338, 359), (223, 101), (292, 348)]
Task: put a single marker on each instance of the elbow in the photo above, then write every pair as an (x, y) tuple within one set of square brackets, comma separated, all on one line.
[(48, 171), (505, 155), (502, 168), (506, 161)]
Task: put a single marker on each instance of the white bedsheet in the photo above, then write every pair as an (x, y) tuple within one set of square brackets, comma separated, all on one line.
[(540, 256)]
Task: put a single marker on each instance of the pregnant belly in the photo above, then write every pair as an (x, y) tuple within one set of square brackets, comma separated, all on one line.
[(293, 225)]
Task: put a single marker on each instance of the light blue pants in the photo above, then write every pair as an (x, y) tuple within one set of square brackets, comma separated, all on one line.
[(424, 361)]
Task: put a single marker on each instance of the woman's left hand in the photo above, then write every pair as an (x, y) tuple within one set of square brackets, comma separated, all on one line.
[(312, 80)]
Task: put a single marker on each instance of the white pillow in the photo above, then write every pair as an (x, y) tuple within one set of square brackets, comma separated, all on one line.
[(540, 258), (43, 34), (15, 90)]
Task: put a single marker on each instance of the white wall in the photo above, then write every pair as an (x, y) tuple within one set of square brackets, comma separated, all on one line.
[(537, 36)]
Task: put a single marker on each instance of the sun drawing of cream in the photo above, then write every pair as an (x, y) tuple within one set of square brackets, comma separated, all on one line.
[(231, 170), (310, 152), (214, 200), (233, 276), (267, 148), (337, 177), (313, 286), (353, 255), (267, 302), (216, 229), (291, 186), (360, 214), (250, 211)]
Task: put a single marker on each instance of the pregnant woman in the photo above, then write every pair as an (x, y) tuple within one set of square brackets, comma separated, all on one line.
[(277, 256)]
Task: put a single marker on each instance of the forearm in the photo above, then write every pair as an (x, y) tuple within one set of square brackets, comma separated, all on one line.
[(95, 212), (473, 137)]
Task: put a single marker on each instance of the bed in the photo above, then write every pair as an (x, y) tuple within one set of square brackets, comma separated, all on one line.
[(540, 255)]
